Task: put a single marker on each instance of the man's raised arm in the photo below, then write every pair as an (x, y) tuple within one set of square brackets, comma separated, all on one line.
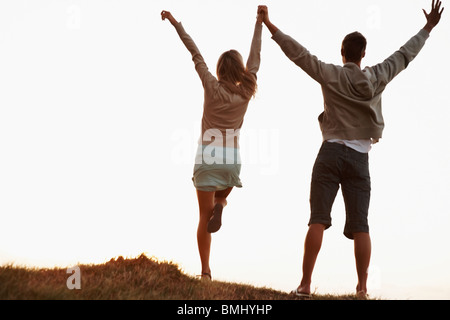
[(298, 54)]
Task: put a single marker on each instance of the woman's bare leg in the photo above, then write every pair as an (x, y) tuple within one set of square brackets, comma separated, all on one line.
[(206, 202), (220, 201), (221, 196), (206, 205)]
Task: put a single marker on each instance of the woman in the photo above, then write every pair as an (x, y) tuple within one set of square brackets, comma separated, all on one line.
[(217, 166)]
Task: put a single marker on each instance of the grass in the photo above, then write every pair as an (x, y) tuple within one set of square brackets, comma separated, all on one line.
[(140, 278)]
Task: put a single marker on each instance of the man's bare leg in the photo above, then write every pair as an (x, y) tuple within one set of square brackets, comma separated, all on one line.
[(313, 243)]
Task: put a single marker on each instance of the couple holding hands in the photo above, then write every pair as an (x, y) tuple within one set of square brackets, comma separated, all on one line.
[(351, 122)]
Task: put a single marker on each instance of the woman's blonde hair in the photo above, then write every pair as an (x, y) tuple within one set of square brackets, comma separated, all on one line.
[(232, 73)]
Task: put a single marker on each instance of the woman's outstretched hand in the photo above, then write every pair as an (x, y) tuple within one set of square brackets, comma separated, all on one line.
[(167, 15), (260, 16), (263, 12)]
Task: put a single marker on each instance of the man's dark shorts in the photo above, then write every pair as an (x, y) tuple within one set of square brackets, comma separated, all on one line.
[(337, 164)]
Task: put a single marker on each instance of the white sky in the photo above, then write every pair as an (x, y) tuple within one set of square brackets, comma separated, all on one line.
[(100, 111)]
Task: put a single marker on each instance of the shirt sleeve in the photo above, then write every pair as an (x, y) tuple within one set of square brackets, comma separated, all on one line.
[(254, 58), (398, 61), (208, 80), (315, 68)]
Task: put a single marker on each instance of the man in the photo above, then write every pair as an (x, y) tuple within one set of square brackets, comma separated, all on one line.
[(352, 120)]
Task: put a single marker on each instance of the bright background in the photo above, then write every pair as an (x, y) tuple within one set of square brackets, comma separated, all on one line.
[(100, 110)]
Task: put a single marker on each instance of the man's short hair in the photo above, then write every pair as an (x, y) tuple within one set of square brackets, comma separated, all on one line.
[(353, 46)]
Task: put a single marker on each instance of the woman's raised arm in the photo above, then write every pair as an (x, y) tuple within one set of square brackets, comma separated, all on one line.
[(167, 15), (208, 80)]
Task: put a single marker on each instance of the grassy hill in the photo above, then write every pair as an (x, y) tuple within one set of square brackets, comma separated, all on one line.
[(140, 278)]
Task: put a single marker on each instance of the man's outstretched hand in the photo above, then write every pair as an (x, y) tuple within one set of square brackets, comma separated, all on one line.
[(264, 12), (434, 16)]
